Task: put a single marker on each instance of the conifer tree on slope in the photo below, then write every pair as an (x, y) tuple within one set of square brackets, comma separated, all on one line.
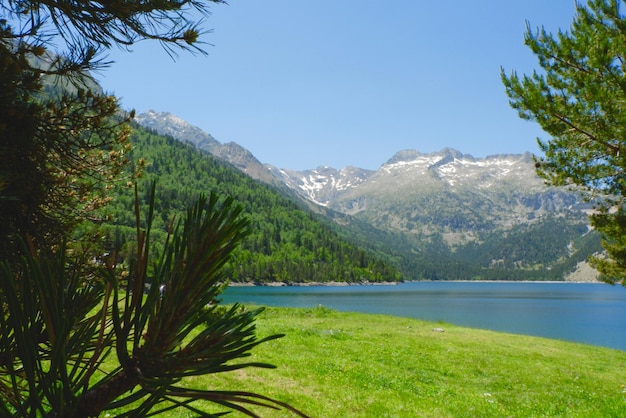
[(578, 97)]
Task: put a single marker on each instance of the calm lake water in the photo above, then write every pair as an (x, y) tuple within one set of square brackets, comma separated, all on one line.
[(588, 313)]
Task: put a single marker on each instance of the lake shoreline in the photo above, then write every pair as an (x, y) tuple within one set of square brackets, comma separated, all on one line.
[(311, 284), (342, 284), (582, 312)]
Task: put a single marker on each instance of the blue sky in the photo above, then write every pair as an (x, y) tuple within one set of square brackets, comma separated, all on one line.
[(345, 82)]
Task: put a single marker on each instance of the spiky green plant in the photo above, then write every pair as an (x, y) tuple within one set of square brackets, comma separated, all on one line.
[(161, 320)]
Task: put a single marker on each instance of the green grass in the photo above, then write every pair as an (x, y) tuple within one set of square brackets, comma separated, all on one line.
[(334, 364)]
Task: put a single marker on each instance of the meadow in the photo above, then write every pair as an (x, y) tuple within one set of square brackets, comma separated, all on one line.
[(336, 364)]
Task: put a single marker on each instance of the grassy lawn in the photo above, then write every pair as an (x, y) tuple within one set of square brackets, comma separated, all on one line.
[(334, 364)]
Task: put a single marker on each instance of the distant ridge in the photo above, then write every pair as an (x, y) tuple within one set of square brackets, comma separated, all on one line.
[(167, 124)]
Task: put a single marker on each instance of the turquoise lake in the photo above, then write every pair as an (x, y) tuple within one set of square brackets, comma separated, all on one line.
[(581, 312)]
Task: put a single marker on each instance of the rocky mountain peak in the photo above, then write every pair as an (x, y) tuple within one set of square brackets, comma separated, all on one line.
[(411, 155), (165, 123)]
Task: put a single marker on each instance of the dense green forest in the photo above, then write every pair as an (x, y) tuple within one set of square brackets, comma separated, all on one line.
[(289, 243)]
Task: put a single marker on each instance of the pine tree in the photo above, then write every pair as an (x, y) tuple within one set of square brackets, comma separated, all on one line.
[(578, 98), (80, 334)]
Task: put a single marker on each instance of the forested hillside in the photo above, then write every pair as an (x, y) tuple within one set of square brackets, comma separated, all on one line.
[(549, 249), (288, 242)]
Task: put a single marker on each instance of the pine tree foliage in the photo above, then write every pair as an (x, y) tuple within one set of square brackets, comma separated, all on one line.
[(60, 331), (58, 154), (60, 150), (578, 98), (88, 29), (67, 317)]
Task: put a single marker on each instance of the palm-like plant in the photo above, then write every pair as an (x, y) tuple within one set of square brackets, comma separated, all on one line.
[(162, 321)]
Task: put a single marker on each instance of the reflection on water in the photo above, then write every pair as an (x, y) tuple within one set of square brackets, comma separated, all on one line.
[(582, 312)]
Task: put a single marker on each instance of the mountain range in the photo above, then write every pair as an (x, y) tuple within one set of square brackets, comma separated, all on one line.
[(485, 215)]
